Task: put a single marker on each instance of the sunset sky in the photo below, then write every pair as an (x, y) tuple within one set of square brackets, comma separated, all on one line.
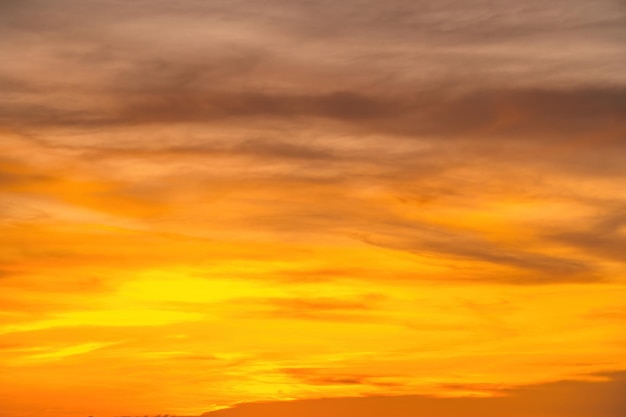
[(313, 208)]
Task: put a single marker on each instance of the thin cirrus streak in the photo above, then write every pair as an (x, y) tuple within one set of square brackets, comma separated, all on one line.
[(279, 208)]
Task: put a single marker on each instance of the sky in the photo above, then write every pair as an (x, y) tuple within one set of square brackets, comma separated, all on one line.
[(240, 208)]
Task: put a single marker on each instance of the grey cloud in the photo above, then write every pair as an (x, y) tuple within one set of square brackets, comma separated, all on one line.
[(342, 105), (429, 240), (478, 16), (318, 376), (283, 150), (127, 54), (4, 274), (558, 399), (602, 236), (257, 148), (529, 115)]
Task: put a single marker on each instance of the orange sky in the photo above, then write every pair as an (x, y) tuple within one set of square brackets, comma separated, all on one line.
[(312, 208)]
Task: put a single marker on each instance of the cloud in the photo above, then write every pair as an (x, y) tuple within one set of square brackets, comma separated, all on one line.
[(255, 149), (356, 309), (397, 186), (560, 399), (428, 240), (410, 68), (528, 115), (604, 235), (329, 378)]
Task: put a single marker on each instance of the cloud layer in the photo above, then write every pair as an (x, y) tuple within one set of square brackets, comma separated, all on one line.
[(235, 201)]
